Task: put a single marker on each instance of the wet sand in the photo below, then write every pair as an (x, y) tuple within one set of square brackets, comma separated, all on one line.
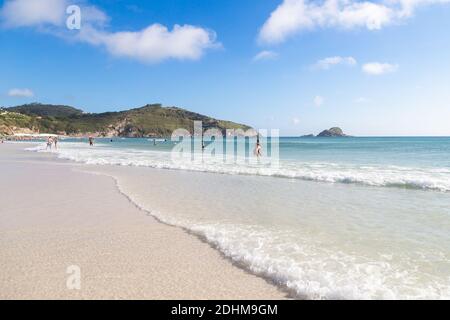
[(53, 216)]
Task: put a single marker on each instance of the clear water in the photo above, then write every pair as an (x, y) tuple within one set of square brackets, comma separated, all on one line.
[(417, 163), (341, 218)]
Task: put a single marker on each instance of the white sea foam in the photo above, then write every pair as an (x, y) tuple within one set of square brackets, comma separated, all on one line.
[(308, 270), (437, 179), (308, 266), (314, 273)]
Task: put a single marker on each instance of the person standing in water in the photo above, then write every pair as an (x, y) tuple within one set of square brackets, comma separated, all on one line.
[(91, 141), (258, 150), (258, 147), (55, 140), (49, 143), (203, 143)]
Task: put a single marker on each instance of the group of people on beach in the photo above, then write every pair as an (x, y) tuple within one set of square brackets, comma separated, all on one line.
[(54, 141), (257, 151), (51, 141)]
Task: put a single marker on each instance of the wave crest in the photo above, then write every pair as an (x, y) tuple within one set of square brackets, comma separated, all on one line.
[(436, 179)]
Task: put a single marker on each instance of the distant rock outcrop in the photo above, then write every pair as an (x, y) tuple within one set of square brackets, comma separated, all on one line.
[(308, 136), (332, 132)]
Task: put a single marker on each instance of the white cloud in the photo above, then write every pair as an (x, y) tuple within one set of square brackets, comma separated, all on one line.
[(377, 68), (407, 7), (93, 15), (326, 63), (151, 44), (318, 101), (25, 13), (20, 93), (265, 55), (293, 16), (32, 13), (154, 43), (295, 121)]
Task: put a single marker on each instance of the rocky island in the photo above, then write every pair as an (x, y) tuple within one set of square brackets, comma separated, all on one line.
[(332, 132)]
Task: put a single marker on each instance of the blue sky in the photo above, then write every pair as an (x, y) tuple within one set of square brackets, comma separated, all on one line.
[(372, 68)]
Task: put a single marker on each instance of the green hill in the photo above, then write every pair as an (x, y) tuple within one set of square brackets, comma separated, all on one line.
[(38, 109), (148, 121)]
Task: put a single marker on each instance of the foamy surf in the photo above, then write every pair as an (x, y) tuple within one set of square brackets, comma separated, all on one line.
[(302, 265), (435, 179), (320, 274), (318, 240)]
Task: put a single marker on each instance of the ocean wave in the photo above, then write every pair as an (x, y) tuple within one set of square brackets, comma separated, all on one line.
[(296, 262), (306, 269), (435, 179), (312, 272)]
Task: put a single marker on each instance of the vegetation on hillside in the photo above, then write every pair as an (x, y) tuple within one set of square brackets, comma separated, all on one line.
[(148, 121), (47, 110)]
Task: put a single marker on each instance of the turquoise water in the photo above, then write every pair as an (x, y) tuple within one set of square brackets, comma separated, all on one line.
[(413, 162), (339, 218), (407, 151), (410, 151)]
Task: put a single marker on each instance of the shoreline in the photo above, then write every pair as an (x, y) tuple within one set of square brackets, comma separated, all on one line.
[(39, 241), (305, 240)]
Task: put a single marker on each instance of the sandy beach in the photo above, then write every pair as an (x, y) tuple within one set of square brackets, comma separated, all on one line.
[(54, 216)]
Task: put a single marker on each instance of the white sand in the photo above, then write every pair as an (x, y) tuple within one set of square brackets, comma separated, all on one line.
[(52, 217)]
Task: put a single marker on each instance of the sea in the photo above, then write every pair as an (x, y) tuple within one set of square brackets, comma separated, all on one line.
[(336, 218)]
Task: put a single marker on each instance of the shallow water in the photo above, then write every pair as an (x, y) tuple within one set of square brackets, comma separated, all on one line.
[(372, 222), (416, 163)]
